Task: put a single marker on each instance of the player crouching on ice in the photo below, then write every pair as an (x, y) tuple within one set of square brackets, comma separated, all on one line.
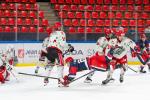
[(4, 68), (94, 63)]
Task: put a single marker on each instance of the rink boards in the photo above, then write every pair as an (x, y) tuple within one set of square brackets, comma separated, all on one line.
[(28, 53)]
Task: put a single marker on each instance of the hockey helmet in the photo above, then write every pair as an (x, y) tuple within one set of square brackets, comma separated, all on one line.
[(107, 31), (120, 31), (69, 59), (142, 35)]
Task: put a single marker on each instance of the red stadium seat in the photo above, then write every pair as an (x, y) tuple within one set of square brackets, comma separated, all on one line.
[(130, 1), (122, 1), (36, 22), (57, 7), (67, 22), (16, 1), (99, 22), (145, 2), (123, 8), (111, 15), (130, 8), (53, 1), (98, 7), (28, 6), (147, 8), (84, 2), (14, 13), (35, 6), (20, 7), (98, 30), (141, 22), (75, 22), (24, 14), (138, 2), (95, 15), (91, 2), (24, 29), (78, 14), (3, 6), (45, 22), (32, 14), (89, 30), (19, 21), (1, 13), (74, 7), (76, 1), (91, 22), (16, 29), (83, 22), (11, 21), (108, 23), (72, 30), (69, 2), (7, 29), (12, 6), (41, 14), (118, 15), (3, 21), (62, 14), (145, 15), (124, 23), (114, 8), (87, 15), (99, 1), (116, 22), (70, 15), (28, 21), (89, 8), (66, 7), (141, 30), (132, 23), (81, 8), (136, 15), (81, 29), (24, 1), (48, 29), (106, 8), (128, 15), (148, 22), (107, 1), (138, 8), (32, 1), (41, 29), (32, 29), (115, 2), (61, 1), (103, 15), (7, 13)]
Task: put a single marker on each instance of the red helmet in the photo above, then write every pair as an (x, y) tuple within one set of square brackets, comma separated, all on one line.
[(69, 59), (120, 31), (142, 35), (107, 31)]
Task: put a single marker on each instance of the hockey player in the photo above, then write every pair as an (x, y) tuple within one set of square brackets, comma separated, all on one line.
[(43, 54), (101, 45), (144, 55), (56, 46), (96, 62), (117, 51), (4, 67)]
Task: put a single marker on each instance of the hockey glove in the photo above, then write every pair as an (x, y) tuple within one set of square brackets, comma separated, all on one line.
[(71, 48)]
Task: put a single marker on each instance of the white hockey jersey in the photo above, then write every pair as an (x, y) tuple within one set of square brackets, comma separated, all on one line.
[(45, 44), (120, 48), (58, 39), (101, 44)]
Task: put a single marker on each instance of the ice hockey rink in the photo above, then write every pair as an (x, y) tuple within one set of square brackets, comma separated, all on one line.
[(135, 87)]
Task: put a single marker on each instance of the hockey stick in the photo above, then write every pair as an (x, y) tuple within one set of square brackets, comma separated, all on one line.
[(36, 75), (14, 76), (132, 69), (82, 76)]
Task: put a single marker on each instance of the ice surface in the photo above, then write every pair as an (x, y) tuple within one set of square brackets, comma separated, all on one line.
[(136, 86)]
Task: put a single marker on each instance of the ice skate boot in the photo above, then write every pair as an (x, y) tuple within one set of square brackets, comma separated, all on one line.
[(88, 80), (142, 69)]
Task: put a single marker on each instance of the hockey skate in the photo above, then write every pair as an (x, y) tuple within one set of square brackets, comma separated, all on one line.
[(121, 79), (108, 80), (36, 70), (142, 69), (46, 81), (88, 80)]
